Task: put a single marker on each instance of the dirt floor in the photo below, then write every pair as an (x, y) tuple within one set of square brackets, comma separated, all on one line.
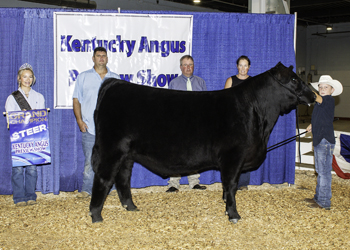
[(273, 217)]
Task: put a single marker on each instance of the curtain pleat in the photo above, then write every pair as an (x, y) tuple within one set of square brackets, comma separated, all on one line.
[(11, 36), (26, 35)]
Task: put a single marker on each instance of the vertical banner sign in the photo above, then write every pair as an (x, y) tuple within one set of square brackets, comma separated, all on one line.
[(29, 133), (142, 49)]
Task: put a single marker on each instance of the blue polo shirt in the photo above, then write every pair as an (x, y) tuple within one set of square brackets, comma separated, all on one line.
[(86, 91), (180, 83), (322, 120)]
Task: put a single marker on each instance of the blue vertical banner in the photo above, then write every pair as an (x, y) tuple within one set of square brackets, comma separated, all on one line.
[(29, 135)]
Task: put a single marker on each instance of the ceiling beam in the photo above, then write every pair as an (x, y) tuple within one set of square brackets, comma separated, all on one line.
[(79, 4), (313, 3), (232, 4), (336, 12)]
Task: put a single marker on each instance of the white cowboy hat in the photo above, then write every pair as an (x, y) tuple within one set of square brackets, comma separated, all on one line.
[(338, 88)]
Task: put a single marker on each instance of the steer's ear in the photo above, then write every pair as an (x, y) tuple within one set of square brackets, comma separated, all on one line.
[(276, 71), (281, 72), (279, 64), (291, 67)]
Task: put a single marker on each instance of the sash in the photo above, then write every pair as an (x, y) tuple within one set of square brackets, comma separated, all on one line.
[(22, 102)]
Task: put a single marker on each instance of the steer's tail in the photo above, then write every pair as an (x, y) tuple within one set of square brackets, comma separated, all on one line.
[(95, 157)]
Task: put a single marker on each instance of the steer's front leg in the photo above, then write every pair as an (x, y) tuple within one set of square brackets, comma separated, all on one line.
[(229, 177), (231, 209)]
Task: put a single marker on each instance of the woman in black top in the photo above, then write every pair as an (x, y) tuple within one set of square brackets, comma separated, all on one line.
[(243, 65)]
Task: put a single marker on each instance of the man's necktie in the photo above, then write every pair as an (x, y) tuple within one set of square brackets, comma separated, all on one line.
[(189, 85)]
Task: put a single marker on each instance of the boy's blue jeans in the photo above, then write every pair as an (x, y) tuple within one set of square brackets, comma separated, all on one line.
[(23, 181), (323, 164)]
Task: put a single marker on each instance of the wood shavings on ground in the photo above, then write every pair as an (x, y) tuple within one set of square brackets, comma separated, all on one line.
[(273, 217)]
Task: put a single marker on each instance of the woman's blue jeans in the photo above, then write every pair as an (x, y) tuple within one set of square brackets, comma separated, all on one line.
[(23, 181), (323, 164)]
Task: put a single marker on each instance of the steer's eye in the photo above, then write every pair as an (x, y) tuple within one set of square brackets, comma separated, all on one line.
[(294, 80)]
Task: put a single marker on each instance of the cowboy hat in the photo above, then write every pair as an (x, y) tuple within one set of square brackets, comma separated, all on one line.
[(326, 79)]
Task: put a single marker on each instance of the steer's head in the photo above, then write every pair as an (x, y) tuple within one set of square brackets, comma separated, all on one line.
[(291, 82)]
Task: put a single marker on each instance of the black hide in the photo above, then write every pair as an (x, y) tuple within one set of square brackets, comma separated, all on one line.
[(178, 132)]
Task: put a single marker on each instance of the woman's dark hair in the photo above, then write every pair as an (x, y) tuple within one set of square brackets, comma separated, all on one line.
[(243, 58)]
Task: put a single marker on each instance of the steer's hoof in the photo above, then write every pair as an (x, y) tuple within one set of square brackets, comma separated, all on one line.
[(96, 217), (234, 221), (96, 220), (133, 209)]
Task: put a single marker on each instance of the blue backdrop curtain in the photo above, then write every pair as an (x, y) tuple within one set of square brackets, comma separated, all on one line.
[(219, 39), (11, 35)]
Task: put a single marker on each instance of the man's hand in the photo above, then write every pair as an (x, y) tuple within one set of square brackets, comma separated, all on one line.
[(82, 126), (77, 112)]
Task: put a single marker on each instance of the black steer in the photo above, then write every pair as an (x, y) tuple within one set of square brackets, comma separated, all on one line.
[(178, 132)]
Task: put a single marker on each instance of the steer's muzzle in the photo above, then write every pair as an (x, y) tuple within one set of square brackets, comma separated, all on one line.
[(307, 97)]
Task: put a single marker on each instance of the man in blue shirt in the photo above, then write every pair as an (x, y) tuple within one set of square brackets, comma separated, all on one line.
[(181, 82), (84, 104), (187, 82)]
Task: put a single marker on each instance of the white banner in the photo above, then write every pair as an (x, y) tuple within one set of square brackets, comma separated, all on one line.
[(143, 49)]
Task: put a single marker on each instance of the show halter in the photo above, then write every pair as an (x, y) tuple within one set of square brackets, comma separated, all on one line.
[(277, 145), (292, 91)]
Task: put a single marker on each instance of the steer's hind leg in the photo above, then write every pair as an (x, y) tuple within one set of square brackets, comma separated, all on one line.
[(103, 181), (122, 183), (100, 191), (224, 192)]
